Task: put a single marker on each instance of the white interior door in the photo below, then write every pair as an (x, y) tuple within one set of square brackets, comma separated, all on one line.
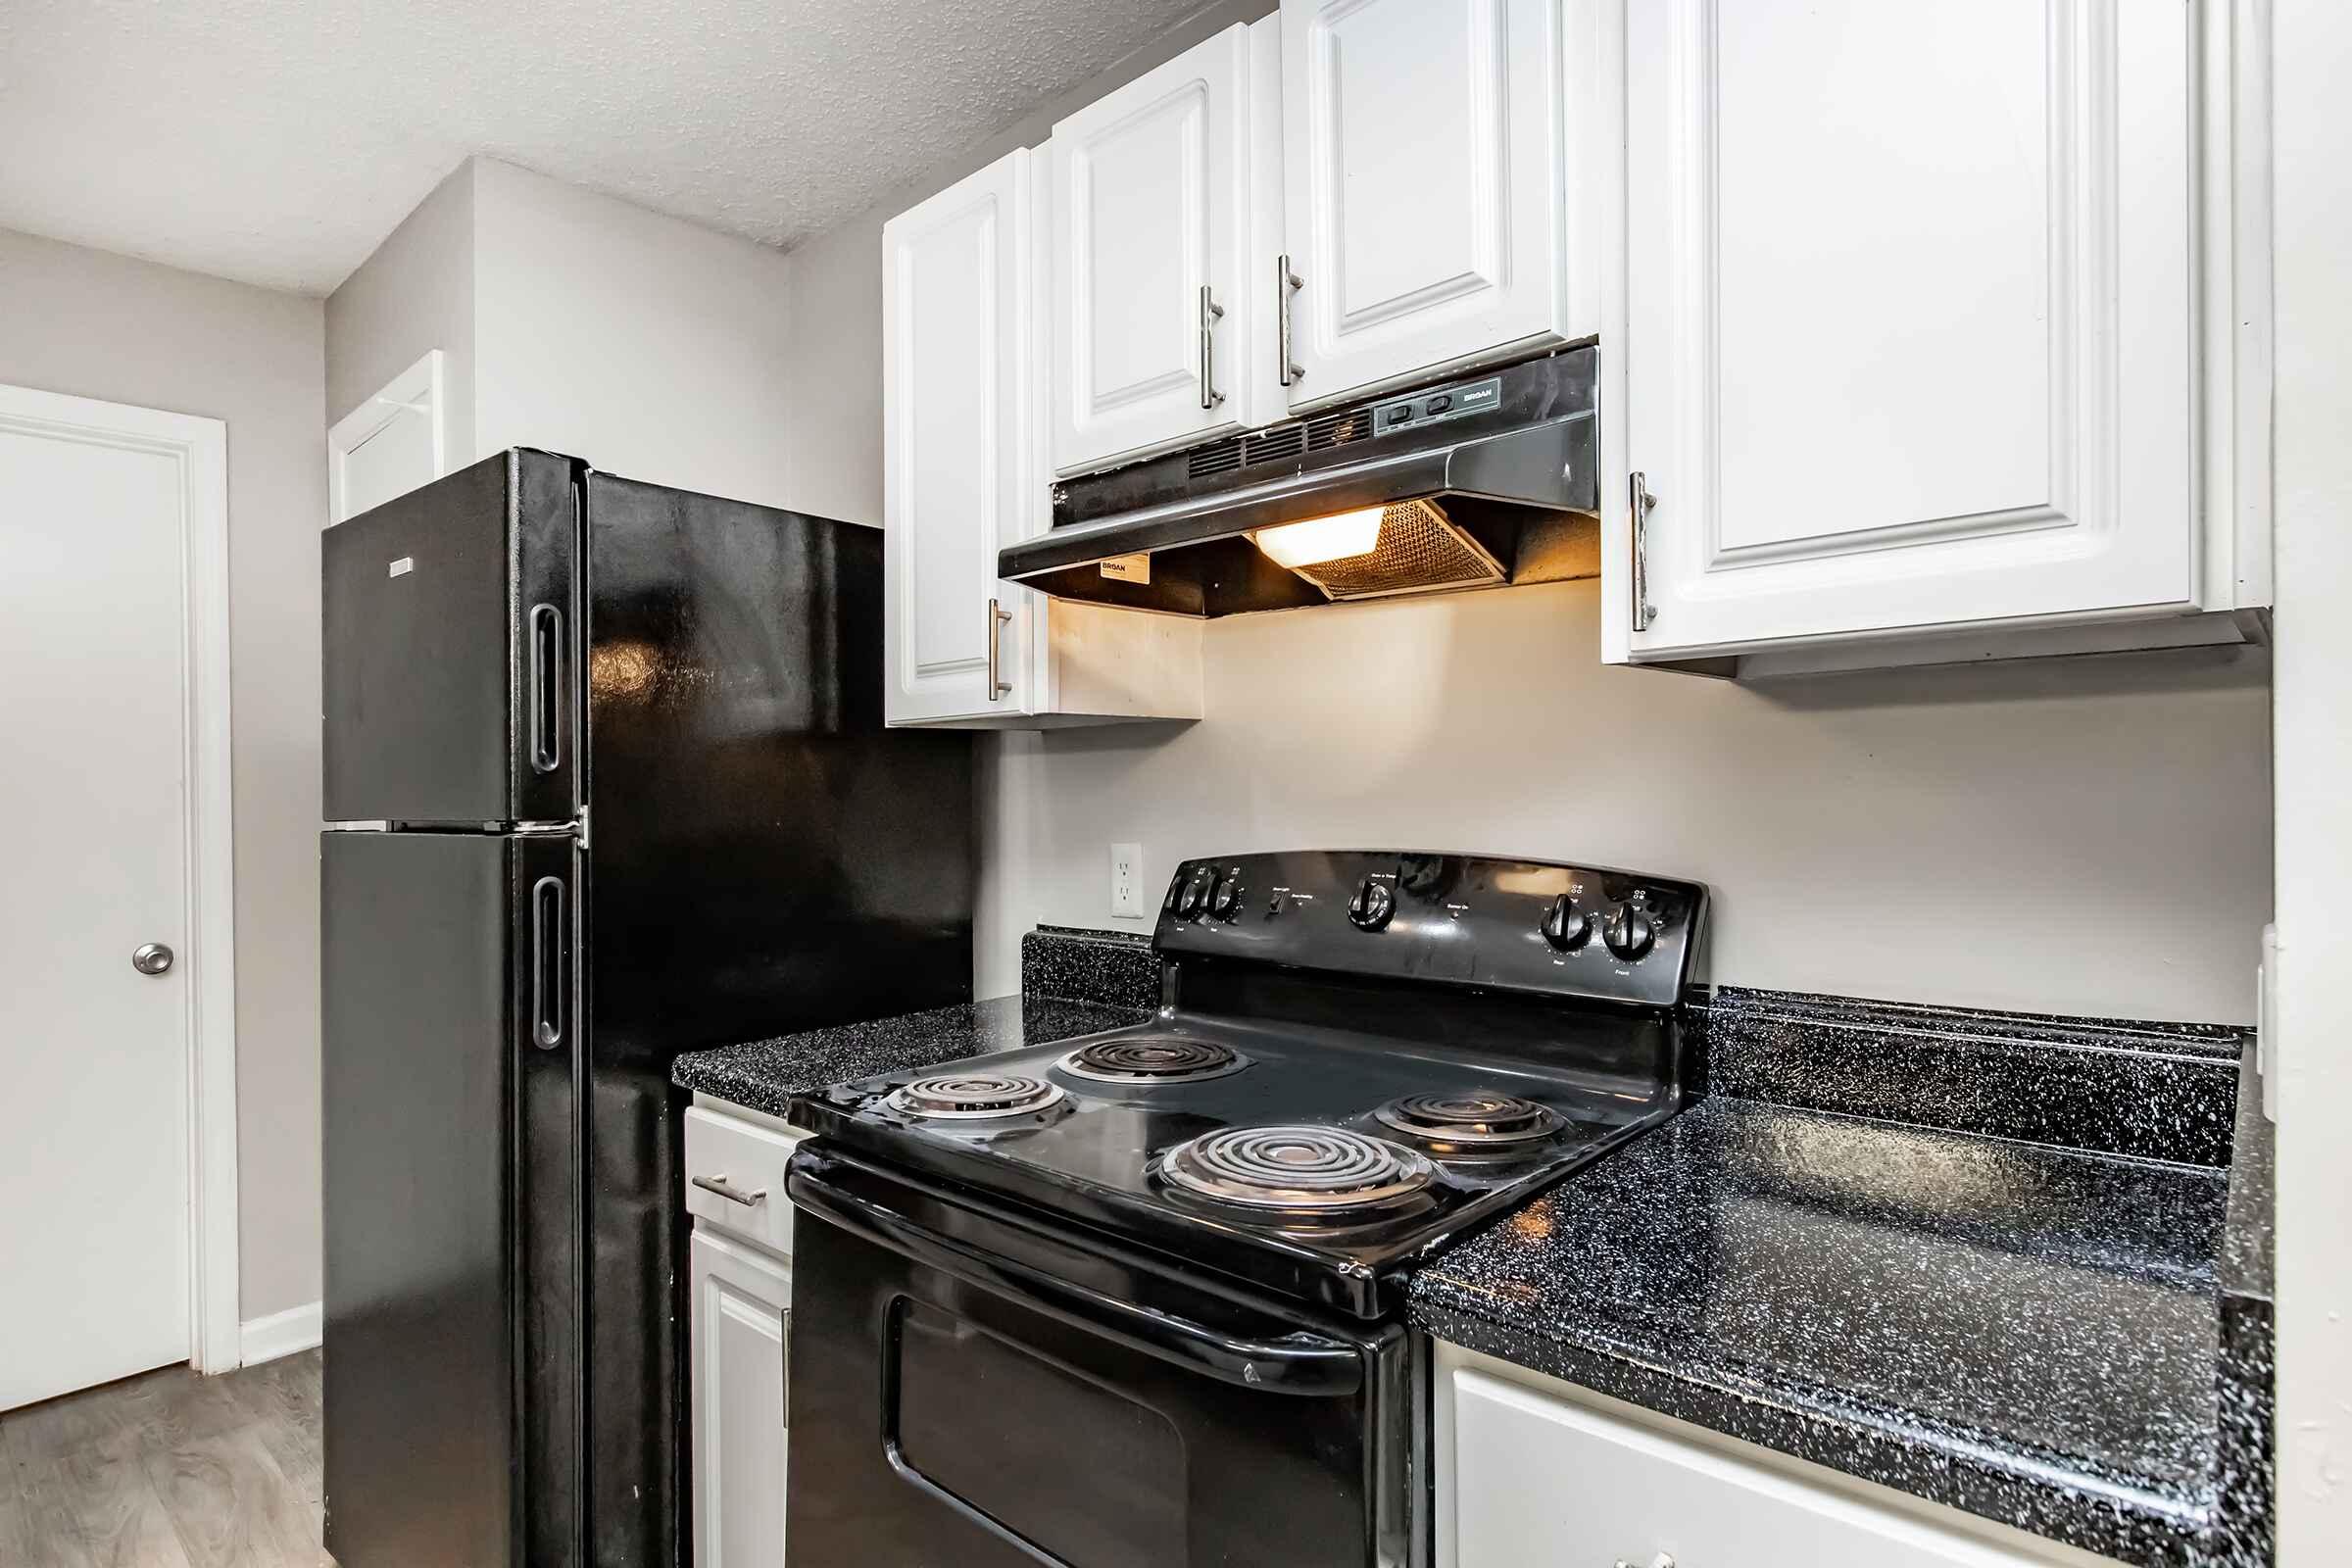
[(1910, 313), (1426, 185), (1151, 222), (94, 1167), (956, 441)]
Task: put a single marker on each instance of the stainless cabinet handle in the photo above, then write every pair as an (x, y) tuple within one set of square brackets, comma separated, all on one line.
[(547, 687), (151, 957), (1210, 311), (998, 616), (547, 962), (1661, 1560), (732, 1193), (1639, 501), (1286, 285)]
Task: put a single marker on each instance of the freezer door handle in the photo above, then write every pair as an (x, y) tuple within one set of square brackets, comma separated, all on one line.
[(547, 688), (547, 962)]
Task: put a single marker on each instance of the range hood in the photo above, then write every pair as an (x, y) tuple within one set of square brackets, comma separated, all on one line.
[(1475, 482)]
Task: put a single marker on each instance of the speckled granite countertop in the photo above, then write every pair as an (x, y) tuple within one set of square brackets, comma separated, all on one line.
[(2028, 1330), (1072, 983), (2017, 1266), (765, 1074)]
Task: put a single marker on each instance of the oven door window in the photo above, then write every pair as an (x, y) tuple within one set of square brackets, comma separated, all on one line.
[(1043, 1440)]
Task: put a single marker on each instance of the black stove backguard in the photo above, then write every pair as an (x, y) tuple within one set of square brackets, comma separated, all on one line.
[(1465, 925)]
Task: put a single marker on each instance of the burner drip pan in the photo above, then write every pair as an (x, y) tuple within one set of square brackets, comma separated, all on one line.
[(1477, 1118), (1161, 1058), (1300, 1167), (971, 1095)]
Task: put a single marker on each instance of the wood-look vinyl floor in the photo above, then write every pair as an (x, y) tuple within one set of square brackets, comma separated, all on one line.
[(167, 1470)]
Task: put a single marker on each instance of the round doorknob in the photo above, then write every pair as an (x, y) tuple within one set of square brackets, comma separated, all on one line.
[(152, 958)]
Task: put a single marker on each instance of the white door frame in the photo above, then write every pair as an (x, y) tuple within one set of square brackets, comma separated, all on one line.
[(414, 390), (199, 446)]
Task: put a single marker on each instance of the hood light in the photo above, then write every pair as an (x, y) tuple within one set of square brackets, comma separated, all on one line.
[(1320, 539)]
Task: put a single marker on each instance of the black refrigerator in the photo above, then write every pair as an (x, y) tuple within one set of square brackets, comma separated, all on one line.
[(605, 779)]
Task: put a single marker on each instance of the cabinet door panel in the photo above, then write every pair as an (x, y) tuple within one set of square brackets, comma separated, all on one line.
[(1150, 205), (1531, 1479), (1908, 314), (955, 434), (1425, 184), (742, 1312)]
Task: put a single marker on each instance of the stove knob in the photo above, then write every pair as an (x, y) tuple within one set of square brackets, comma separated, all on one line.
[(1226, 900), (1195, 896), (1565, 926), (1372, 905), (1629, 932)]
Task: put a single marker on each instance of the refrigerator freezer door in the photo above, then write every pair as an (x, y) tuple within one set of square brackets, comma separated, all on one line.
[(451, 650), (452, 1039)]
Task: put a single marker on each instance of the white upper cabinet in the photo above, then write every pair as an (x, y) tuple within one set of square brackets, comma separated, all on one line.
[(956, 378), (1151, 259), (1437, 185), (1911, 315), (963, 477)]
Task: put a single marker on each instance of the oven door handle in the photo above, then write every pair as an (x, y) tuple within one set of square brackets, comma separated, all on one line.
[(1296, 1363)]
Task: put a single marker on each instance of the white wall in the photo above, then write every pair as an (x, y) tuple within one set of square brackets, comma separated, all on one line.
[(2088, 836), (100, 326), (649, 346), (2313, 498)]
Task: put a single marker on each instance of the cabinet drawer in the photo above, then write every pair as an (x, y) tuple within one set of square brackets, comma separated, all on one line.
[(1536, 1479), (746, 1159)]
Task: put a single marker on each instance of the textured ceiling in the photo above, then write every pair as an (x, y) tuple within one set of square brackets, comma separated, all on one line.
[(277, 141)]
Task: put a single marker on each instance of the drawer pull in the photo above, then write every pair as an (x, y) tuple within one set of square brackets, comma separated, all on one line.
[(1661, 1560), (733, 1194)]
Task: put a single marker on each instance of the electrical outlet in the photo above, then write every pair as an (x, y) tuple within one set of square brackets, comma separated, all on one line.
[(1127, 881)]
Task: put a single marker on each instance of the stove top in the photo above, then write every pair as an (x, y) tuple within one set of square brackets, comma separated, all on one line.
[(1361, 1055)]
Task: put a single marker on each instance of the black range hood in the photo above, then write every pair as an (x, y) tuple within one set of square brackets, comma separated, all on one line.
[(1479, 481)]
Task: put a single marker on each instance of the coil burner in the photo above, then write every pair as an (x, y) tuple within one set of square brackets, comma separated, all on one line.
[(1476, 1119), (972, 1096), (1318, 1168), (1163, 1058)]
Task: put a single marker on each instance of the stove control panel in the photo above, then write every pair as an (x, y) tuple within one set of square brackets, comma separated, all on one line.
[(1588, 932)]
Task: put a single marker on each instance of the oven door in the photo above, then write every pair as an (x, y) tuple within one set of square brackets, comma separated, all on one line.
[(971, 1389)]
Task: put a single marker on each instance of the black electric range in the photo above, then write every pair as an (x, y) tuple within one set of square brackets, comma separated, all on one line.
[(1135, 1298)]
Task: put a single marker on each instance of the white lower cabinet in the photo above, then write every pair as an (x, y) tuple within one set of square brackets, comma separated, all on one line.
[(741, 1321), (1528, 1473)]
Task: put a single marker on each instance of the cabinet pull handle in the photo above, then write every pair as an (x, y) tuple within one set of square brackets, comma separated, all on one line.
[(732, 1193), (1286, 284), (998, 616), (1639, 501), (1210, 310)]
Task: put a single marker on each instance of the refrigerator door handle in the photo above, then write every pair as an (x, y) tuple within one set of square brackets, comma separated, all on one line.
[(547, 962), (547, 688)]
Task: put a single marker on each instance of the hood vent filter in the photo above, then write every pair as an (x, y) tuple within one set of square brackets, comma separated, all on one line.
[(1419, 551)]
